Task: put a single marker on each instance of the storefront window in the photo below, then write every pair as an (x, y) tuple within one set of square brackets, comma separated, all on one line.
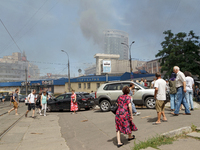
[(98, 85), (79, 85), (84, 85), (88, 85)]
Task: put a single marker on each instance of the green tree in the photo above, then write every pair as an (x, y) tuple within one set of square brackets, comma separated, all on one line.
[(180, 50)]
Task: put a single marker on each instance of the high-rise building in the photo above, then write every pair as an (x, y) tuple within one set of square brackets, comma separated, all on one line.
[(112, 43)]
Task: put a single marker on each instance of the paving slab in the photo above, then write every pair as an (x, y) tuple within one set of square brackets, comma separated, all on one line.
[(194, 134)]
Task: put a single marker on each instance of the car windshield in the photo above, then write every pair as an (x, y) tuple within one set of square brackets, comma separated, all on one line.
[(87, 95), (141, 85)]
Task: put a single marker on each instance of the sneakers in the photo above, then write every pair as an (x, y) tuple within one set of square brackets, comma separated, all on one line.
[(137, 114), (40, 114), (45, 115)]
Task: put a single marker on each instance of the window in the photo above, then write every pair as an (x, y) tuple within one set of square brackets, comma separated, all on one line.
[(61, 97), (98, 85), (68, 96), (116, 86), (84, 85), (79, 85), (125, 84), (88, 85)]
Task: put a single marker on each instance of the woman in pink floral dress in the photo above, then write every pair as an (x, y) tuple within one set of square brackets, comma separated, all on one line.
[(74, 104), (124, 117)]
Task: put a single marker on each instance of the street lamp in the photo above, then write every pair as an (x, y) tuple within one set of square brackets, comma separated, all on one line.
[(69, 85), (130, 54)]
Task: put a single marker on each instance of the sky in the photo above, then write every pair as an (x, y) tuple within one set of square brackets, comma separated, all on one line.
[(42, 28)]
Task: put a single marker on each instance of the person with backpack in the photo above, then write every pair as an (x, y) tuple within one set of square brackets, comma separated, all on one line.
[(43, 101), (38, 103), (15, 102), (172, 91), (31, 104)]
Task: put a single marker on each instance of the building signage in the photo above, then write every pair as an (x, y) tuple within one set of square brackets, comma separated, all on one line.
[(49, 82), (24, 83), (106, 66)]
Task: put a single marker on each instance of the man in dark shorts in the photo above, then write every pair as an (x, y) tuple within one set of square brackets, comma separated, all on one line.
[(31, 103), (160, 96), (15, 102)]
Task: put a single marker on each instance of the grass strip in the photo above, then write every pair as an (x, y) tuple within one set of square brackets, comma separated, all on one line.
[(154, 142)]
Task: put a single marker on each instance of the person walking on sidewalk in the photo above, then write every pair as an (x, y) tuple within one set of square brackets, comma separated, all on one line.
[(44, 99), (31, 104), (124, 117), (181, 90), (160, 96), (189, 88), (172, 91), (132, 86), (74, 104), (15, 102), (38, 103)]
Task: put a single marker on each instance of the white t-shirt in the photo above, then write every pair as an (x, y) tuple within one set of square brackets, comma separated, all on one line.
[(161, 85), (31, 98), (189, 83)]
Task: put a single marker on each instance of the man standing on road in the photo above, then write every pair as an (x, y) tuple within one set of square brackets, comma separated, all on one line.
[(160, 96), (31, 104), (15, 102), (181, 90)]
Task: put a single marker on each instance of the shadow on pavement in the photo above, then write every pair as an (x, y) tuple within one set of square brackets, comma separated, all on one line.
[(123, 140), (152, 119)]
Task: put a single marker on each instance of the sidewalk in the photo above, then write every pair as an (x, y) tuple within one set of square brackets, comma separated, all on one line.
[(35, 134)]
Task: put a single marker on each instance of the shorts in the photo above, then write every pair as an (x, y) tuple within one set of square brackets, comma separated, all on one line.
[(39, 106), (31, 106), (15, 104), (160, 105)]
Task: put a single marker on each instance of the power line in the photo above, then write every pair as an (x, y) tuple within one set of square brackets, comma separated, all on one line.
[(11, 36)]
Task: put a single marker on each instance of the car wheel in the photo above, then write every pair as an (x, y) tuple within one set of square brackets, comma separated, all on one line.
[(105, 105), (150, 102), (49, 108)]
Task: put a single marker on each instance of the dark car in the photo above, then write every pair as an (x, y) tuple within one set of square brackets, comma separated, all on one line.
[(63, 102), (22, 98)]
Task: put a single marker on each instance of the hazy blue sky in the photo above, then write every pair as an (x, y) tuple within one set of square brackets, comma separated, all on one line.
[(43, 27)]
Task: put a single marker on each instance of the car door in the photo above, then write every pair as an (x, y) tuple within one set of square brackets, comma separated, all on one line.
[(67, 101), (114, 90), (138, 93), (60, 102)]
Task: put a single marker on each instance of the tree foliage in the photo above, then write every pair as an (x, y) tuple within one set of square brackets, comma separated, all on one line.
[(180, 50)]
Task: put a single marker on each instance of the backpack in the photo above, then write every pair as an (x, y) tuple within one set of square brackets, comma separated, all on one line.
[(172, 85)]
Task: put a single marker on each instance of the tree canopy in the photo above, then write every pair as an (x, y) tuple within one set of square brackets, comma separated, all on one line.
[(181, 50)]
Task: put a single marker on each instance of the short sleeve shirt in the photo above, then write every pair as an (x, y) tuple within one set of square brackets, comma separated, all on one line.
[(189, 83), (161, 85), (16, 96), (31, 98), (180, 78)]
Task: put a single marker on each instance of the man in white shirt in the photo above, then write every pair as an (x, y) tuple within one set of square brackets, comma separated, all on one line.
[(160, 96), (189, 88), (31, 104), (181, 90)]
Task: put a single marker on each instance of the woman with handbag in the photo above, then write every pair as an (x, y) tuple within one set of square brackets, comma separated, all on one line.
[(74, 104), (124, 117)]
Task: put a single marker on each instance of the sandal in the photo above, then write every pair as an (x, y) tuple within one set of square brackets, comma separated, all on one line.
[(133, 137)]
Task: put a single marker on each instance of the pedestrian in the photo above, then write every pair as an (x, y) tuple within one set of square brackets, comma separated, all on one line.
[(167, 86), (197, 93), (172, 91), (38, 103), (3, 98), (145, 83), (189, 88), (124, 117), (31, 103), (131, 93), (15, 102), (160, 96), (43, 101), (181, 90), (74, 104), (152, 83), (141, 82)]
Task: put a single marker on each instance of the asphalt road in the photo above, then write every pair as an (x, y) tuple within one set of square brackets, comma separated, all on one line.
[(93, 129)]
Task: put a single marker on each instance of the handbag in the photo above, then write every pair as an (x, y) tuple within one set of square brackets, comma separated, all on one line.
[(114, 108), (73, 100)]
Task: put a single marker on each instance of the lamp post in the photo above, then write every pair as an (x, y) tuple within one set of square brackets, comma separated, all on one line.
[(130, 55), (69, 85)]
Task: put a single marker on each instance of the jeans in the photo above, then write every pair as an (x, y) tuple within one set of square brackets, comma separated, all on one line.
[(181, 99), (189, 98), (44, 107), (173, 98), (133, 107)]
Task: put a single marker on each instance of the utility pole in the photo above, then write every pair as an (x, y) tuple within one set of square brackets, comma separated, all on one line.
[(26, 81)]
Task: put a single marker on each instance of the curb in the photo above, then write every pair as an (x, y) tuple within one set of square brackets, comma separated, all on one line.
[(177, 131)]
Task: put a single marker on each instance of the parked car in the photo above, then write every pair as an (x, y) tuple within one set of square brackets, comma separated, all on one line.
[(63, 101), (22, 98), (108, 93)]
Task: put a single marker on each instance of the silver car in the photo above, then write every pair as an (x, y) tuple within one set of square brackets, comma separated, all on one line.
[(108, 93)]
